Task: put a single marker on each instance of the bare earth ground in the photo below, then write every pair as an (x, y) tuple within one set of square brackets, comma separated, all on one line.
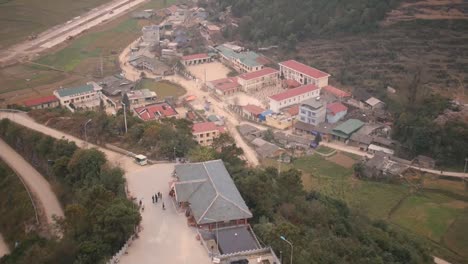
[(342, 160), (214, 70), (3, 247), (38, 185)]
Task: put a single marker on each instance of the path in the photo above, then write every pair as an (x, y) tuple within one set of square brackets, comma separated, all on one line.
[(159, 231), (3, 247), (37, 184)]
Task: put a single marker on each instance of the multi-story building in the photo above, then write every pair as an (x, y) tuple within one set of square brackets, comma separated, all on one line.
[(225, 86), (139, 98), (80, 94), (312, 111), (242, 61), (294, 70), (205, 132), (256, 80), (195, 59), (293, 96)]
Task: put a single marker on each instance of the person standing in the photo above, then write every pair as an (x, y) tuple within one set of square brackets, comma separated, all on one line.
[(152, 197), (156, 198), (163, 206)]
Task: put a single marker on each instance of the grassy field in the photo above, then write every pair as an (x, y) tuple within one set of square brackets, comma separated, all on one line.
[(21, 18), (163, 89), (78, 61), (438, 213), (16, 209)]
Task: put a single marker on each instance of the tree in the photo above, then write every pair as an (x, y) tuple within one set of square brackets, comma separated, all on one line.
[(201, 153), (85, 167)]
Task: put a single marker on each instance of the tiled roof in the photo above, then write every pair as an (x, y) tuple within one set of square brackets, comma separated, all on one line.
[(294, 92), (196, 56), (143, 93), (75, 90), (255, 110), (211, 192), (205, 127), (293, 111), (304, 69), (155, 111), (225, 84), (257, 74), (335, 91), (336, 107), (248, 58), (40, 100)]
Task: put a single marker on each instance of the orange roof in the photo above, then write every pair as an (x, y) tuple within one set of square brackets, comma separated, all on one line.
[(255, 110), (40, 100), (155, 111), (293, 111), (304, 69), (206, 127), (294, 92), (256, 74), (190, 98), (335, 91), (196, 57)]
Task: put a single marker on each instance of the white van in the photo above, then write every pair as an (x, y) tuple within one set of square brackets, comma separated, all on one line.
[(141, 160)]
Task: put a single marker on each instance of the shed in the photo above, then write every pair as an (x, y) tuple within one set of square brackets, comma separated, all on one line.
[(346, 129)]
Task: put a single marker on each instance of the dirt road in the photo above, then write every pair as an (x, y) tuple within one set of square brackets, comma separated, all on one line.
[(61, 33), (3, 247), (36, 183)]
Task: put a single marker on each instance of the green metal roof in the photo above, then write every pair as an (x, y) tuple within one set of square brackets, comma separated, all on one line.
[(75, 90), (347, 128), (249, 58)]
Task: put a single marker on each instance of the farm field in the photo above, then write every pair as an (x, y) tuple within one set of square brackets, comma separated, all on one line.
[(21, 18), (77, 62), (437, 213), (163, 89)]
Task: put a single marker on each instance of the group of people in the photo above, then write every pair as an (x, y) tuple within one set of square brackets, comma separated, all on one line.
[(156, 197)]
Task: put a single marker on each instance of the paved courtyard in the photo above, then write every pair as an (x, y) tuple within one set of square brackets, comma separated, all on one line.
[(166, 238)]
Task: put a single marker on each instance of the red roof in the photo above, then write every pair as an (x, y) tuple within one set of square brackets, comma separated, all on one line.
[(335, 91), (256, 74), (253, 109), (336, 108), (294, 92), (293, 111), (206, 127), (155, 111), (172, 8), (292, 83), (195, 56), (225, 84), (40, 100), (304, 69)]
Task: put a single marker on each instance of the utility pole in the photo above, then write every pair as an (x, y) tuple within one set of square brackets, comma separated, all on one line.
[(125, 116), (464, 174), (102, 67), (85, 131)]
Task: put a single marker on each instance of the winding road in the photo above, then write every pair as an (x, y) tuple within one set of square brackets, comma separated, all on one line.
[(36, 183)]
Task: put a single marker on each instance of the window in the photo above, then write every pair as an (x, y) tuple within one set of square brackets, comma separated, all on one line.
[(303, 111), (201, 135), (303, 118), (201, 141), (207, 134)]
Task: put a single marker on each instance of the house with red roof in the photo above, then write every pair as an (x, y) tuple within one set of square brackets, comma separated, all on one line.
[(294, 70), (205, 132), (293, 96), (155, 111), (42, 102), (335, 112), (256, 80), (224, 86), (339, 94), (195, 59), (252, 112)]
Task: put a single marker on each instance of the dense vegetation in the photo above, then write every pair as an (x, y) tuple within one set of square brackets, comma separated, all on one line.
[(322, 229), (266, 21), (98, 217), (154, 139), (14, 204)]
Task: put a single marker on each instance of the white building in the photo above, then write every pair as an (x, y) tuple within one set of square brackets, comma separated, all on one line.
[(140, 98), (312, 111), (254, 81), (293, 70), (150, 34), (293, 96), (80, 94)]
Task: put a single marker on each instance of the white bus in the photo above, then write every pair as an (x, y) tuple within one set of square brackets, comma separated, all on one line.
[(141, 160)]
